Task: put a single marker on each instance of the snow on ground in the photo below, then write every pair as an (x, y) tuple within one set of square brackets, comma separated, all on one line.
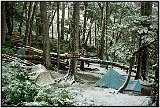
[(98, 72), (86, 95), (85, 92)]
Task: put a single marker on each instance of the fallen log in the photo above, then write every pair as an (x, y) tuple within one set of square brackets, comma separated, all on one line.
[(10, 58), (68, 56), (106, 63)]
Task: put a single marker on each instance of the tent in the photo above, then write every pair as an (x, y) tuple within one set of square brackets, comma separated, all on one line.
[(113, 79), (21, 51), (41, 75)]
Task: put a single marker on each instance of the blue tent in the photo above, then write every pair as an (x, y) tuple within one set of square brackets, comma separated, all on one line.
[(21, 51), (113, 79)]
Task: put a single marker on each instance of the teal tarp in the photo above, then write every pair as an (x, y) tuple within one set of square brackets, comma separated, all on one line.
[(113, 79), (21, 51), (78, 62)]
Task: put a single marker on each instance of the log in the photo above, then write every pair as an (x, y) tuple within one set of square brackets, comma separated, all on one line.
[(106, 63), (13, 57), (68, 56)]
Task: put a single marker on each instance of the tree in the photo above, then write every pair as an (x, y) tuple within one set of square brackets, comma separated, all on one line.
[(74, 40), (106, 52), (21, 17), (28, 23), (74, 44), (31, 23), (9, 17), (122, 88), (45, 34), (83, 38), (58, 32), (103, 22), (146, 9), (3, 22), (62, 21)]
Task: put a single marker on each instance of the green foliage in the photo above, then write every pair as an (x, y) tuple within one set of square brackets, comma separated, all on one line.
[(55, 98), (63, 46), (9, 43), (16, 85), (6, 50), (19, 90), (38, 45)]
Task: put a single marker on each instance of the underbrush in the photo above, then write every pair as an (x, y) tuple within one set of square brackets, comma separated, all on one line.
[(7, 50), (19, 90)]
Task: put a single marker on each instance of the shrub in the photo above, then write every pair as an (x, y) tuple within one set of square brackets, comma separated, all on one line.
[(16, 86), (19, 90), (7, 50)]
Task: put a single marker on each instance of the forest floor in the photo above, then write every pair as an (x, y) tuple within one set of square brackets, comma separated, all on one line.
[(86, 93)]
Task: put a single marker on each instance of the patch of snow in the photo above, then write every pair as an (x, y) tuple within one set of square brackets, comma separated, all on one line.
[(96, 96)]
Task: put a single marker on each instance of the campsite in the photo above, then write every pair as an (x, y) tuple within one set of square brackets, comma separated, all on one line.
[(79, 54)]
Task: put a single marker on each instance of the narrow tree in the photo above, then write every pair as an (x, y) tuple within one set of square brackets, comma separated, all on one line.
[(62, 21), (122, 88), (31, 23), (74, 44), (146, 9), (28, 23), (21, 17), (83, 38), (3, 22), (45, 34), (106, 52), (58, 32), (74, 40), (9, 16), (102, 42)]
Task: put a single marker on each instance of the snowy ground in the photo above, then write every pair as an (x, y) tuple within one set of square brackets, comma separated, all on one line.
[(96, 96), (87, 94)]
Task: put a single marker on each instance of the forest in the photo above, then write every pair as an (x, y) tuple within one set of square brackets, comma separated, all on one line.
[(79, 53)]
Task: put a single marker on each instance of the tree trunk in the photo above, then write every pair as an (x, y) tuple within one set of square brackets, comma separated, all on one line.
[(31, 23), (83, 38), (28, 23), (23, 10), (138, 74), (122, 88), (51, 22), (90, 37), (84, 24), (89, 33), (45, 34), (146, 10), (102, 42), (74, 40), (52, 30), (9, 17), (37, 29), (95, 33), (106, 52), (58, 31), (62, 21), (68, 21), (4, 26)]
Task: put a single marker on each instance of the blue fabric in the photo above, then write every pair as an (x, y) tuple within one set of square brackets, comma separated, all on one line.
[(102, 65), (78, 62), (21, 51), (113, 79)]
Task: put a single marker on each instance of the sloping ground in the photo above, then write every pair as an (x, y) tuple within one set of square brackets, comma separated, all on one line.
[(85, 93)]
